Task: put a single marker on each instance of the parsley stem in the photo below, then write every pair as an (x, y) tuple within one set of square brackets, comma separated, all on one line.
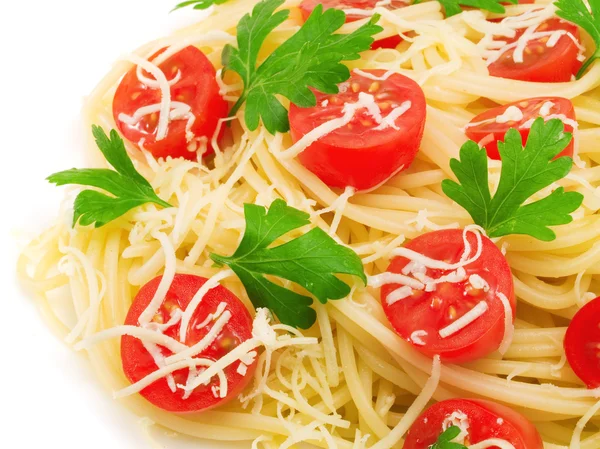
[(238, 104), (588, 63)]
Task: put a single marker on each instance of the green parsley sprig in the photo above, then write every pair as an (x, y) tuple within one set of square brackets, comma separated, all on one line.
[(589, 19), (311, 261), (525, 171), (444, 441), (453, 7), (128, 188), (310, 58), (199, 4)]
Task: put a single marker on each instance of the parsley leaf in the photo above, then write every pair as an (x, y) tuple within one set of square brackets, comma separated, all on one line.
[(311, 260), (577, 12), (128, 187), (310, 58), (525, 171), (199, 4), (453, 7), (444, 441)]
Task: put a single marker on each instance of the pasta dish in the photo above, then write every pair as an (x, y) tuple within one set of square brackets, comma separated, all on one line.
[(348, 223)]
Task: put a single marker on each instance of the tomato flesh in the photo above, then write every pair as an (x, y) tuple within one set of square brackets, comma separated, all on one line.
[(357, 154), (307, 7), (582, 343), (540, 62), (197, 88), (138, 363), (432, 311), (487, 132), (485, 420)]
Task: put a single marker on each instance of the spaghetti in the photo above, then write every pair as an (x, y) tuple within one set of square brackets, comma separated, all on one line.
[(350, 381)]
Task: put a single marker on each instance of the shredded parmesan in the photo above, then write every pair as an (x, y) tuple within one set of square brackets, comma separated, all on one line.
[(509, 328), (165, 89), (464, 320), (417, 337), (197, 299)]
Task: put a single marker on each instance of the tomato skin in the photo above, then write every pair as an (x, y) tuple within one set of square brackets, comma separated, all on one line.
[(489, 134), (198, 88), (138, 363), (546, 65), (425, 311), (581, 343), (307, 6), (486, 420), (357, 155), (388, 42)]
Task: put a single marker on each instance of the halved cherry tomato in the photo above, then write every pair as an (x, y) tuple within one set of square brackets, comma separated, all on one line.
[(138, 363), (423, 314), (540, 62), (197, 88), (582, 343), (485, 420), (358, 154), (307, 6), (487, 132)]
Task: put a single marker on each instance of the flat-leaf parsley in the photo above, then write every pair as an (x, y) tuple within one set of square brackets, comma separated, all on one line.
[(310, 58), (525, 171), (311, 261), (128, 188), (577, 12)]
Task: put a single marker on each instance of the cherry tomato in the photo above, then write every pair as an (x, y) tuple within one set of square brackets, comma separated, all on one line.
[(138, 363), (358, 154), (307, 6), (423, 314), (582, 343), (540, 62), (485, 420), (197, 88), (487, 132)]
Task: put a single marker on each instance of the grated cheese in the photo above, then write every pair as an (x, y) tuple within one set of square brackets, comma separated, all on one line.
[(479, 283), (464, 320), (399, 294), (509, 328), (365, 101), (197, 299), (165, 89), (205, 342), (417, 337), (458, 419)]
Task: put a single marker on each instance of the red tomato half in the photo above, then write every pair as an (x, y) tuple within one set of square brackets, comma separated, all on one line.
[(138, 363), (358, 154), (541, 63), (487, 132), (582, 343), (485, 420), (432, 311), (196, 88), (307, 6)]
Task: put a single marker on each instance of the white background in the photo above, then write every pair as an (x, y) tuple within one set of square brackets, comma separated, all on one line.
[(52, 54)]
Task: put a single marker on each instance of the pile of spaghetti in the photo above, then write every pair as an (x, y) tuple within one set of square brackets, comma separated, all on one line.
[(350, 380)]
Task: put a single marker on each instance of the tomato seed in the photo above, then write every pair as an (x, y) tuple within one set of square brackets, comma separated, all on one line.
[(374, 87), (135, 95), (436, 302), (452, 312), (355, 87)]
